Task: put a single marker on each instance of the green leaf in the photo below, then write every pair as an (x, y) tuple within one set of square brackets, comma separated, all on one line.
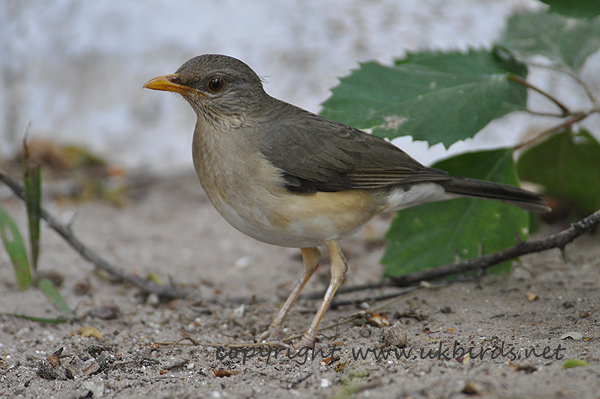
[(436, 97), (431, 235), (568, 165), (13, 242), (574, 363), (566, 42), (33, 195), (52, 292), (578, 8), (480, 62)]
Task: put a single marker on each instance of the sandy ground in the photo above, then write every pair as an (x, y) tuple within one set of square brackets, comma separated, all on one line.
[(170, 229)]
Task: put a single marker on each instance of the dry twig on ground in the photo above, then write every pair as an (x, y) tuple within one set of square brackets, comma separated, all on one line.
[(65, 231)]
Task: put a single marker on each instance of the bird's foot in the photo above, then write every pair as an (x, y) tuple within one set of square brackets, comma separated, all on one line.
[(273, 333), (307, 341)]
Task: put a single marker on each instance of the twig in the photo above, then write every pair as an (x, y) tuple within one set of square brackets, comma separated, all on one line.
[(372, 298), (544, 114), (356, 315), (352, 288), (523, 82), (559, 240), (65, 231), (574, 76), (588, 91), (398, 296), (573, 119)]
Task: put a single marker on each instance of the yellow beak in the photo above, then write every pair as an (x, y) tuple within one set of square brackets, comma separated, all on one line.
[(167, 83)]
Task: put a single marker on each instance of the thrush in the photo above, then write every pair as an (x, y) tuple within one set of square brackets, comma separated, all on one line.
[(288, 177)]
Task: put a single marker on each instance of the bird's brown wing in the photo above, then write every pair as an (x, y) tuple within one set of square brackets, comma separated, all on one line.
[(321, 155)]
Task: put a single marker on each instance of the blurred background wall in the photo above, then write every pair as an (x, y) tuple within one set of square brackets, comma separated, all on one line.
[(74, 70)]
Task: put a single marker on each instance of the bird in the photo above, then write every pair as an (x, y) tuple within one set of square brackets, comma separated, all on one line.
[(288, 177)]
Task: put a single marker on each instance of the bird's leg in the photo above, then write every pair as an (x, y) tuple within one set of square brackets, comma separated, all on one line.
[(338, 272), (311, 257)]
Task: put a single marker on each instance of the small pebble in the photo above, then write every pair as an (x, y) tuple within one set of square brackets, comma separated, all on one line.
[(395, 336)]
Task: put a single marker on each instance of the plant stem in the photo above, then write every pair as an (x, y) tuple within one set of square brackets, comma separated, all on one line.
[(573, 119), (575, 77), (521, 81)]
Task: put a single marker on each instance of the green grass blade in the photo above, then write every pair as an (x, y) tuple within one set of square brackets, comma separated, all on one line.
[(33, 195), (56, 320), (52, 292), (574, 363), (13, 242)]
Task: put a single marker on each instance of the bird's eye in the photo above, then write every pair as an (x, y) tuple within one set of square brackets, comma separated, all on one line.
[(215, 84)]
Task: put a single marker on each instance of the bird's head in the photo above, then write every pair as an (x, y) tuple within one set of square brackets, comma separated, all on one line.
[(216, 86)]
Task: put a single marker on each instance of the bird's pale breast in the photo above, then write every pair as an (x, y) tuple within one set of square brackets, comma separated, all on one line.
[(247, 191)]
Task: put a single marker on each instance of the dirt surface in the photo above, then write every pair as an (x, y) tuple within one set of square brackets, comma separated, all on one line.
[(171, 230)]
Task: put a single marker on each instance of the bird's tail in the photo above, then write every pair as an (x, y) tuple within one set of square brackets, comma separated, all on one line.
[(484, 189)]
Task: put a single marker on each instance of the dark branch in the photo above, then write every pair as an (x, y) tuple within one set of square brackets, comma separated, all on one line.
[(559, 240), (91, 256)]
